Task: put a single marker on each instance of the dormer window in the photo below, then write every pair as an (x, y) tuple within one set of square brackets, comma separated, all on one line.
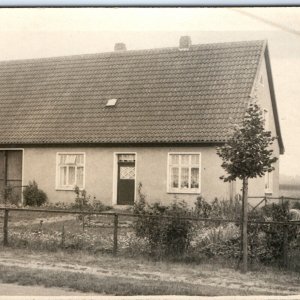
[(111, 102)]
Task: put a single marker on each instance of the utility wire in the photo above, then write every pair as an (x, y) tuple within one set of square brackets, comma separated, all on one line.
[(274, 24)]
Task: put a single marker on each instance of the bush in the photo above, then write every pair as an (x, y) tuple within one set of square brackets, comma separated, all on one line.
[(83, 202), (81, 199), (33, 196), (224, 209), (275, 234), (296, 205), (168, 235), (10, 196), (222, 241)]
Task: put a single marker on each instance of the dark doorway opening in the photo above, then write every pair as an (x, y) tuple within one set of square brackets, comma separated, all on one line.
[(11, 176)]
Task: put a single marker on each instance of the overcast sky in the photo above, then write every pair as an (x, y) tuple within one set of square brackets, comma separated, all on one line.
[(44, 32)]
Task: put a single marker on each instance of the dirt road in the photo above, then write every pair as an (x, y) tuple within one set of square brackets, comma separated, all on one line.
[(9, 289), (273, 282)]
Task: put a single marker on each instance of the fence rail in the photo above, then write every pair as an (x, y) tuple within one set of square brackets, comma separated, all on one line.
[(115, 221), (82, 212)]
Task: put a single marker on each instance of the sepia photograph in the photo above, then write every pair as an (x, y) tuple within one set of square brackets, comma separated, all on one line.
[(150, 153)]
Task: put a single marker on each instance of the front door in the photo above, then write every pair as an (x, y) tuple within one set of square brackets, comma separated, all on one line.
[(126, 179), (10, 176)]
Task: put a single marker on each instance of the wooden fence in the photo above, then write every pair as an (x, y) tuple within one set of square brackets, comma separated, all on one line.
[(116, 216), (265, 199)]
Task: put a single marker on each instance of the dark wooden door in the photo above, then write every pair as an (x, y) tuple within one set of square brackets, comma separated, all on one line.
[(11, 175), (126, 183)]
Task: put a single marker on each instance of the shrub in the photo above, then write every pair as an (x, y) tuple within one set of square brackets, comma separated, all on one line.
[(275, 234), (167, 233), (296, 205), (81, 199), (221, 241), (10, 196), (57, 206), (224, 209), (33, 196), (83, 202)]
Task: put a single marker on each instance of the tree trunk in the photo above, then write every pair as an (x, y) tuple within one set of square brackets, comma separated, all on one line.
[(244, 226), (5, 177)]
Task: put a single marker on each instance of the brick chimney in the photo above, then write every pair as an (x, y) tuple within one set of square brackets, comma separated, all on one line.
[(185, 42), (120, 47)]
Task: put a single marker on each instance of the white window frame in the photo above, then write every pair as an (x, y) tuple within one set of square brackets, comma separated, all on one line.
[(58, 187), (179, 190), (268, 182), (261, 80), (266, 119)]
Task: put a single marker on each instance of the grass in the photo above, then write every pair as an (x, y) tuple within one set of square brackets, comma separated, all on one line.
[(105, 274), (110, 285), (26, 231)]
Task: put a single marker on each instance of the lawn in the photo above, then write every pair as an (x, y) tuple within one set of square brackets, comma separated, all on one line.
[(53, 231)]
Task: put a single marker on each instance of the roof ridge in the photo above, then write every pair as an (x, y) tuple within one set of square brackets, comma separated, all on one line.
[(126, 52)]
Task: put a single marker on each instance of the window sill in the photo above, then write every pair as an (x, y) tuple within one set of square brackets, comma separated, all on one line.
[(195, 192), (268, 193), (67, 189)]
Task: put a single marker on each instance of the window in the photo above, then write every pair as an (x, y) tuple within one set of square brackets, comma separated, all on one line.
[(261, 80), (269, 182), (111, 102), (184, 173), (266, 119), (70, 170)]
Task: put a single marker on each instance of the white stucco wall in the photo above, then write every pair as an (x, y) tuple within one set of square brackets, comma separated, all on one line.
[(151, 171)]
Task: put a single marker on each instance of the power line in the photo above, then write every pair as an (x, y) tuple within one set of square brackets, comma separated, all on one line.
[(274, 24)]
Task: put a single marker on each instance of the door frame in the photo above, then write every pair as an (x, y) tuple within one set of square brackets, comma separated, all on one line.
[(115, 175), (22, 183)]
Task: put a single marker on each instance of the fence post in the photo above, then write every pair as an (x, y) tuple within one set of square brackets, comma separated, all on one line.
[(115, 249), (285, 247), (5, 228)]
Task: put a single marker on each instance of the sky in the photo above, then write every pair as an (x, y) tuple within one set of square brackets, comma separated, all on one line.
[(46, 32)]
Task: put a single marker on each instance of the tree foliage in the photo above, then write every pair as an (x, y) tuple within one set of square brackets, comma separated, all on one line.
[(247, 152)]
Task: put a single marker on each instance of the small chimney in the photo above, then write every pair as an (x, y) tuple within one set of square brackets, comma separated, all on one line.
[(185, 42), (120, 47)]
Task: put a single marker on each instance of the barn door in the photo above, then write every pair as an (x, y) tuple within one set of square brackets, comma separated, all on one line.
[(126, 179), (11, 176)]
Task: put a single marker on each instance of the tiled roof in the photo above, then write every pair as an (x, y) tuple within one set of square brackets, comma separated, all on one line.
[(163, 95)]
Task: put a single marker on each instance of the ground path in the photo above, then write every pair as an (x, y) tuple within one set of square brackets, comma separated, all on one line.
[(274, 282), (9, 289)]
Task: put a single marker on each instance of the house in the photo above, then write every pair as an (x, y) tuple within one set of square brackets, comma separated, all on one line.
[(107, 122)]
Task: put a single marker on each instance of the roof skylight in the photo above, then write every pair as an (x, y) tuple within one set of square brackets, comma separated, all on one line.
[(111, 102)]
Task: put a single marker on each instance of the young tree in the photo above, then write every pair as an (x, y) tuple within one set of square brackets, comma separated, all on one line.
[(247, 154)]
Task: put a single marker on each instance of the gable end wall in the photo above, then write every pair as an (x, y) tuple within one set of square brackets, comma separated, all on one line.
[(263, 97)]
